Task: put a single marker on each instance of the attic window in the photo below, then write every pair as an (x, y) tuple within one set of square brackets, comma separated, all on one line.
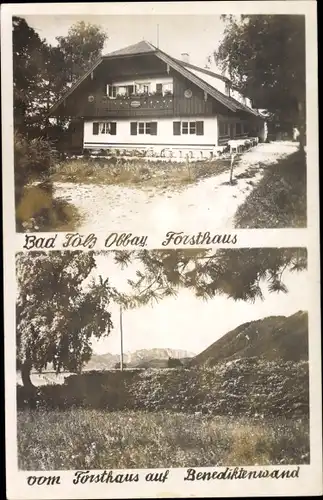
[(114, 91)]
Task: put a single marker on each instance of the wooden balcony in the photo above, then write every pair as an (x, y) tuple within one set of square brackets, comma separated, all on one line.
[(136, 106)]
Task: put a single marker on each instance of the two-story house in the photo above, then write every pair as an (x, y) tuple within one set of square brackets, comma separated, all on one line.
[(140, 98)]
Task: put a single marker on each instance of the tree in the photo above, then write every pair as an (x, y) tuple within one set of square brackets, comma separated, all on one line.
[(59, 310), (32, 160), (264, 56), (27, 64), (81, 47), (117, 366), (42, 73), (174, 363), (240, 274)]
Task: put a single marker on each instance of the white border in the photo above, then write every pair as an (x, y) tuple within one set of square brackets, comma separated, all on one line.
[(310, 480)]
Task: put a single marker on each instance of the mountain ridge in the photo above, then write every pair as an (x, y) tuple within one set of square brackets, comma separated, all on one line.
[(272, 337)]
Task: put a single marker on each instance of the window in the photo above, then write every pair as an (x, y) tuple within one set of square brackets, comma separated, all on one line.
[(185, 128), (114, 91), (104, 128), (164, 88), (147, 128), (238, 129), (192, 127), (142, 88), (167, 88)]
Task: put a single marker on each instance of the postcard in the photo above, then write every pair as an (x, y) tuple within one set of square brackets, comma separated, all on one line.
[(161, 250)]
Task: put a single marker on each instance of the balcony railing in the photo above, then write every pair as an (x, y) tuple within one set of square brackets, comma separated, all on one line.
[(143, 105), (153, 102)]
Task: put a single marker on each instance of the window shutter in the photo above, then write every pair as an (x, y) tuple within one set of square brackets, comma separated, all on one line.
[(113, 128), (176, 128), (153, 128), (95, 128), (199, 128), (133, 128)]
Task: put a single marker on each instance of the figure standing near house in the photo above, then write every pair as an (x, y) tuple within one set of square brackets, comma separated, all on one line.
[(295, 134)]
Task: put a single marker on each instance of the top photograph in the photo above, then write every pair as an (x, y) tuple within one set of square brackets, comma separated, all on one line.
[(165, 122)]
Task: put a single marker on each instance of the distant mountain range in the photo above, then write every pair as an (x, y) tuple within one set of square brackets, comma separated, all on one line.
[(143, 358), (273, 338)]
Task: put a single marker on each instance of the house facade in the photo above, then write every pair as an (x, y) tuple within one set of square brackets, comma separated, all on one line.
[(141, 99)]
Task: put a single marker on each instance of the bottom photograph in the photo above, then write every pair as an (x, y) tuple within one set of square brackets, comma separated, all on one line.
[(162, 358)]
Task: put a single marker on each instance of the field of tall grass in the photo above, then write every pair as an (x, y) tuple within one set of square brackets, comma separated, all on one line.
[(279, 199), (97, 439), (136, 172)]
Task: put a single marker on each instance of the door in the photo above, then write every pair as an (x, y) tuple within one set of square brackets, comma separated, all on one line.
[(231, 128), (76, 128)]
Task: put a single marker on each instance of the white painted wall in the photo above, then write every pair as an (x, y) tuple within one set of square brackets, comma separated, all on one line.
[(164, 137)]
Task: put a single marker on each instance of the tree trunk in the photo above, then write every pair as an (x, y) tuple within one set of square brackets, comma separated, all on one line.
[(25, 376)]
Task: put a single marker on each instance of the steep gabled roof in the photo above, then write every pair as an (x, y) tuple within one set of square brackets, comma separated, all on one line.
[(142, 47), (202, 78), (210, 78)]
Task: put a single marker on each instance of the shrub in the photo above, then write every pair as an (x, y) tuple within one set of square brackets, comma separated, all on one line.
[(36, 208), (32, 160), (174, 363), (241, 388)]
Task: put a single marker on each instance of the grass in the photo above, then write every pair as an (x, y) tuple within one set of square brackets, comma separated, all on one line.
[(279, 199), (39, 210), (97, 439), (138, 173)]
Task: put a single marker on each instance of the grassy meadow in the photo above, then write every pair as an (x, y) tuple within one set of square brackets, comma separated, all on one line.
[(247, 412), (137, 173), (98, 439), (279, 199)]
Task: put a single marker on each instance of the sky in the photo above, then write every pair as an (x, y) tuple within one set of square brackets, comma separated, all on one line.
[(186, 322), (198, 35)]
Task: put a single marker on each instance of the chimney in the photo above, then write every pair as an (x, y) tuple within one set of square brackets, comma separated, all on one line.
[(185, 57)]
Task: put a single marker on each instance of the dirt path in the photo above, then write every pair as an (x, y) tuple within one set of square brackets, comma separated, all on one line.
[(208, 205)]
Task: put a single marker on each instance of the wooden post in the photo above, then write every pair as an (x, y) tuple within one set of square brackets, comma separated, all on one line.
[(231, 167), (188, 166), (121, 341)]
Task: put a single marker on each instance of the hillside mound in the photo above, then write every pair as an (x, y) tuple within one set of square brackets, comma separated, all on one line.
[(272, 338)]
